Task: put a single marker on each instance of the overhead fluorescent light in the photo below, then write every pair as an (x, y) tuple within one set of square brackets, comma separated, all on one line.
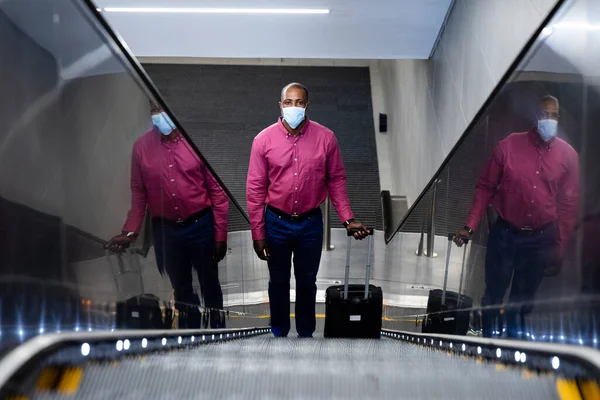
[(216, 10)]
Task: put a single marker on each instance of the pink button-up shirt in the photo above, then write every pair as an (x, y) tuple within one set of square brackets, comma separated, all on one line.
[(295, 174), (171, 180), (530, 184)]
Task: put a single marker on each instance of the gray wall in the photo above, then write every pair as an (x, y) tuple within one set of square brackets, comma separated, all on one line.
[(430, 102), (67, 144), (223, 107)]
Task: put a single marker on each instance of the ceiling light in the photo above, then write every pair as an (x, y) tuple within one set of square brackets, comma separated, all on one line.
[(216, 10)]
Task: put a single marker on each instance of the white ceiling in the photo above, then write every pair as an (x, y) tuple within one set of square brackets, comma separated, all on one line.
[(354, 29)]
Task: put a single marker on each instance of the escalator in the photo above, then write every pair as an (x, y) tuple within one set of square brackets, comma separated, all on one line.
[(69, 348), (254, 365)]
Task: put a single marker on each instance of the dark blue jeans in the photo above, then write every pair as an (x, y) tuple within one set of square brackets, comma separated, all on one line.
[(179, 250), (522, 257), (303, 240)]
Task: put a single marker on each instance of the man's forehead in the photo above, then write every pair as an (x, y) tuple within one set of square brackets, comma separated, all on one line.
[(549, 104), (294, 93)]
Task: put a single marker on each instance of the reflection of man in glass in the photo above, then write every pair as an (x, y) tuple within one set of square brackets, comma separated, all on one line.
[(188, 208), (532, 182), (294, 164)]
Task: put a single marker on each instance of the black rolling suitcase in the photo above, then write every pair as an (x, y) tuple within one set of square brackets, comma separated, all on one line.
[(443, 315), (354, 311), (137, 311)]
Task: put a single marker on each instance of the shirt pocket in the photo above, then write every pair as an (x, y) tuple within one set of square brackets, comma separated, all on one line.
[(315, 170)]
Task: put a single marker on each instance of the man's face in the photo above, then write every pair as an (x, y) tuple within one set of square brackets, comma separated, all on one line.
[(294, 97), (548, 110)]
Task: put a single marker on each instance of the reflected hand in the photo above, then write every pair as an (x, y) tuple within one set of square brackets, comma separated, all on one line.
[(220, 251), (462, 237), (362, 233), (119, 243), (261, 249)]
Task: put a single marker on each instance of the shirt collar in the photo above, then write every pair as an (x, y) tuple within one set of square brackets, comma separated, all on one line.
[(163, 138), (537, 141), (285, 131)]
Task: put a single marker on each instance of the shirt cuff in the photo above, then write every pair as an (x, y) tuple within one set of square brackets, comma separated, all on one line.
[(472, 223), (220, 236), (131, 227), (259, 234), (346, 216)]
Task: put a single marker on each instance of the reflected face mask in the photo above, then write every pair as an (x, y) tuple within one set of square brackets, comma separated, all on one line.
[(293, 116), (547, 128), (163, 123)]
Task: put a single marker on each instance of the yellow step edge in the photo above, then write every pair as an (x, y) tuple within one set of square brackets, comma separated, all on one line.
[(567, 389), (320, 316), (70, 380), (589, 390), (47, 379)]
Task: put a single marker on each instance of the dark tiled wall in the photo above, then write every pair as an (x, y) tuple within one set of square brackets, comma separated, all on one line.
[(223, 107)]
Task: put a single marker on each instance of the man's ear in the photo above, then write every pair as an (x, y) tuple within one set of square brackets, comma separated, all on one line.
[(307, 105)]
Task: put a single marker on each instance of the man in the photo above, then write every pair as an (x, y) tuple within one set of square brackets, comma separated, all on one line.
[(188, 208), (532, 182), (294, 164)]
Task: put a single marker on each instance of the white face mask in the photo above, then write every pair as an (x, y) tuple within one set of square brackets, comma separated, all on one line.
[(547, 128), (293, 115)]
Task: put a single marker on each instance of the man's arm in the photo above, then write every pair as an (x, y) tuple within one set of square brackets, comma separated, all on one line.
[(567, 202), (486, 186), (139, 197), (336, 182), (219, 203), (257, 186)]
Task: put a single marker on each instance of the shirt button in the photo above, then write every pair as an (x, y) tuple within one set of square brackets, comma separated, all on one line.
[(537, 172), (174, 196), (529, 215), (177, 208), (294, 144), (295, 173), (532, 201), (295, 188), (170, 166), (295, 159), (535, 187), (173, 180), (296, 202)]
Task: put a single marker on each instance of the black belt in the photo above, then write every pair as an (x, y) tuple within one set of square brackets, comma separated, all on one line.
[(296, 217), (183, 222), (530, 231)]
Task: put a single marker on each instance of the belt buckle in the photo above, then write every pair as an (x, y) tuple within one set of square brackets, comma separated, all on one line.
[(294, 217), (527, 230), (179, 221)]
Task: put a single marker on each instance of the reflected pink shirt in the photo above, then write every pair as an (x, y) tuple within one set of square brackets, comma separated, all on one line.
[(295, 174), (171, 180), (530, 184)]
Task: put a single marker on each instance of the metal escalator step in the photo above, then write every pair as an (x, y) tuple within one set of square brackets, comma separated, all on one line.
[(289, 368)]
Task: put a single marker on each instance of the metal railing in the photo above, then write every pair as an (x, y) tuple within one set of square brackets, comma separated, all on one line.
[(327, 246)]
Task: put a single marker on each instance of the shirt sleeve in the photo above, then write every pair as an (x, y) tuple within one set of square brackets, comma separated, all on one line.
[(336, 182), (567, 202), (219, 203), (486, 186), (257, 186), (139, 197)]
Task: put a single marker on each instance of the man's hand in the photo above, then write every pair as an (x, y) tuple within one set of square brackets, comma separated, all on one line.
[(462, 237), (362, 232), (119, 243), (261, 249), (220, 251)]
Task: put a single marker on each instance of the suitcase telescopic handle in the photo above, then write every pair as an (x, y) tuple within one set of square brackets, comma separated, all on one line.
[(451, 237), (368, 272)]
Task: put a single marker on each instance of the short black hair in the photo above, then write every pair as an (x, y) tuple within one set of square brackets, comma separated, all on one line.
[(549, 98), (294, 85)]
